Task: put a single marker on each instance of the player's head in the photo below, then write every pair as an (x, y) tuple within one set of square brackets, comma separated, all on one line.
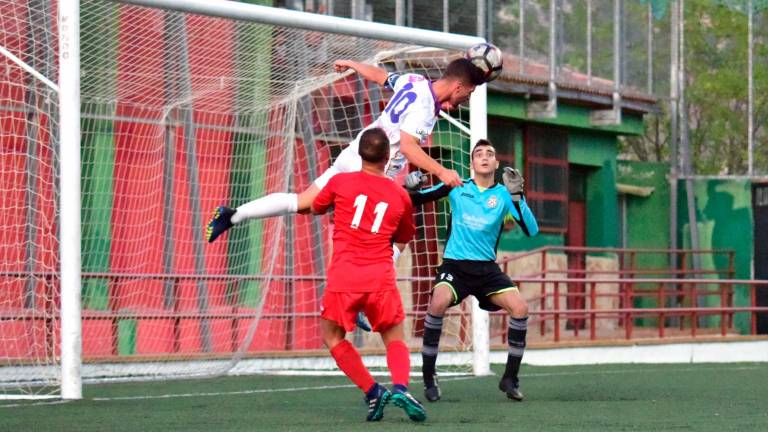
[(484, 158), (374, 147), (461, 77)]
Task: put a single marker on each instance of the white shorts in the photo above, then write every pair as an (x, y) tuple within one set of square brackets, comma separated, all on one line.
[(349, 160)]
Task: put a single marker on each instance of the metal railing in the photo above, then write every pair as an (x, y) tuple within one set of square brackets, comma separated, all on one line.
[(570, 303), (554, 294), (568, 293), (628, 260)]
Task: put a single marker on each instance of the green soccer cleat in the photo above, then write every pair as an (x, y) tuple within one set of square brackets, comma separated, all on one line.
[(413, 408), (511, 387), (219, 223), (377, 403)]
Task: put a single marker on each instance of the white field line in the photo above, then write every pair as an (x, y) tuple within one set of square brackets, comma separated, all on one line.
[(18, 405), (530, 375), (240, 392), (625, 371), (27, 397), (296, 389)]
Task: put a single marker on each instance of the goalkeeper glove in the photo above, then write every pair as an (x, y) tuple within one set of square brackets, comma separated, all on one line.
[(414, 180), (514, 182)]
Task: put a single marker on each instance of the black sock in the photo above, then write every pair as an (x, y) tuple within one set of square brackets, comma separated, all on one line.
[(433, 326), (373, 391), (400, 388), (518, 327)]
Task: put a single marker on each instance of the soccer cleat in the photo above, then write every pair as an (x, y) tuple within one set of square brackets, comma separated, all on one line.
[(511, 387), (219, 223), (377, 403), (431, 389), (362, 322), (413, 408)]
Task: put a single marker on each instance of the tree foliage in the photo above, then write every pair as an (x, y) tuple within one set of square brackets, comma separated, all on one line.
[(716, 77)]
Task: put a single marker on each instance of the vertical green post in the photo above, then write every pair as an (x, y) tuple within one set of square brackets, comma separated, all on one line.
[(98, 151), (98, 155), (248, 171)]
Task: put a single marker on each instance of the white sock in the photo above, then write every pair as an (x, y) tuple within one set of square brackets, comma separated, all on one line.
[(275, 204)]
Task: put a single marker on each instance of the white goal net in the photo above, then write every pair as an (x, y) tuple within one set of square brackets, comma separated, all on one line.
[(29, 261), (181, 113)]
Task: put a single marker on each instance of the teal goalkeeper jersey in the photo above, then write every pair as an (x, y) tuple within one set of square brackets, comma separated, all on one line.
[(477, 218)]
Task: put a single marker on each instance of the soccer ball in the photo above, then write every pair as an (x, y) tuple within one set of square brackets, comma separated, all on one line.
[(488, 58)]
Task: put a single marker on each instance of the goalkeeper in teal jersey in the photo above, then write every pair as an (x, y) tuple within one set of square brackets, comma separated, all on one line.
[(480, 208)]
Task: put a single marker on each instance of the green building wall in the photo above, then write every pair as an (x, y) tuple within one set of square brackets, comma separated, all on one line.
[(647, 222), (647, 217), (589, 146), (721, 206), (569, 116), (598, 151)]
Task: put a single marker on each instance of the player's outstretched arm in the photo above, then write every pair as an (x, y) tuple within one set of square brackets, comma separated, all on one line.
[(410, 148), (523, 215), (419, 196), (369, 72), (428, 195), (324, 200), (524, 218)]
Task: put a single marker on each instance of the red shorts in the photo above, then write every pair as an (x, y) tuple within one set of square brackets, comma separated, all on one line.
[(384, 309)]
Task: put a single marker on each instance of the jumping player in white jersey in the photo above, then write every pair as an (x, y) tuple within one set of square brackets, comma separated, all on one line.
[(408, 119)]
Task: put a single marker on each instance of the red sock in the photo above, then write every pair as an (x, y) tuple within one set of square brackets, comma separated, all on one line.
[(399, 362), (350, 362)]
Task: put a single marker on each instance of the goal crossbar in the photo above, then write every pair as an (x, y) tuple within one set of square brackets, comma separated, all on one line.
[(314, 22)]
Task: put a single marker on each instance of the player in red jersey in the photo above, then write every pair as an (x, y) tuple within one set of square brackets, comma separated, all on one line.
[(370, 212)]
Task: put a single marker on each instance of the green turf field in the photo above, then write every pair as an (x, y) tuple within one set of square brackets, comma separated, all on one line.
[(705, 397)]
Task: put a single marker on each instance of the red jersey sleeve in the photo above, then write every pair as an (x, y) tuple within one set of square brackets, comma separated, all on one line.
[(325, 198), (405, 229)]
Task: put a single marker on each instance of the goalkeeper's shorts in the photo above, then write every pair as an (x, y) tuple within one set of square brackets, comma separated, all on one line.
[(384, 309), (481, 279)]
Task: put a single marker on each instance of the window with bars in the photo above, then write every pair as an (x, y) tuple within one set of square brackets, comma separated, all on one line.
[(501, 133), (546, 172)]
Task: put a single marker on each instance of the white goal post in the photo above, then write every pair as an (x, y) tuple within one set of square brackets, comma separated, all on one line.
[(69, 142), (203, 317)]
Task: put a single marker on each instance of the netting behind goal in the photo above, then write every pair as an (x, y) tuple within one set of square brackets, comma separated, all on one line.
[(181, 113), (29, 264)]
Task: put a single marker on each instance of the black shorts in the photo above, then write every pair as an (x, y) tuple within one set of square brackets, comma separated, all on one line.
[(481, 279)]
